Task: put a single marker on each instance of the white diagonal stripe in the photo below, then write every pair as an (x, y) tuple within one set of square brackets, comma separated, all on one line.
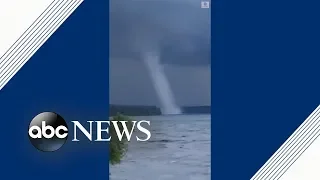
[(34, 37), (292, 149), (307, 166)]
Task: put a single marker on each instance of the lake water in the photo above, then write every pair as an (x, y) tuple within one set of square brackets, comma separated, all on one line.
[(179, 149)]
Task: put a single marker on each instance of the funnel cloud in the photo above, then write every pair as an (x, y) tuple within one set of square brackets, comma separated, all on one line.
[(178, 30)]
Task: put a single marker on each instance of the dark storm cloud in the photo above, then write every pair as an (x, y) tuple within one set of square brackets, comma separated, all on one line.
[(178, 29)]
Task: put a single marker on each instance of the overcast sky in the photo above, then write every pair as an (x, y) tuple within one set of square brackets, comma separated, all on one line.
[(179, 30)]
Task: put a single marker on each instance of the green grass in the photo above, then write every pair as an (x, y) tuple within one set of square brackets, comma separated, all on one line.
[(118, 148)]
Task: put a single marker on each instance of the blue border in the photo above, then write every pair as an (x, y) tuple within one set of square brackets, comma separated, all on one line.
[(265, 79), (68, 75)]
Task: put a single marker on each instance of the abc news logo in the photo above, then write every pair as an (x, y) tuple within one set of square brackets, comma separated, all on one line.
[(48, 131)]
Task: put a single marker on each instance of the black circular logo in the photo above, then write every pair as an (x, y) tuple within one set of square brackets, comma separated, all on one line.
[(48, 131)]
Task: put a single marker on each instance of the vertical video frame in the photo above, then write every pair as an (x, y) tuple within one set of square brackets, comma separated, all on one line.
[(160, 71)]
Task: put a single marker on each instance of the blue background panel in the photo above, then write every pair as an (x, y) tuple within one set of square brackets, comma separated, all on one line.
[(67, 75), (265, 79)]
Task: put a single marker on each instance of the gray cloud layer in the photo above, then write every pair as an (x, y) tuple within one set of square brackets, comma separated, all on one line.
[(178, 29)]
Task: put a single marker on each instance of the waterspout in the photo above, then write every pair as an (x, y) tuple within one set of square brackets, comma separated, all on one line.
[(161, 84)]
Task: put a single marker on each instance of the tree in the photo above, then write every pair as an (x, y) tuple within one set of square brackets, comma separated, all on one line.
[(118, 148)]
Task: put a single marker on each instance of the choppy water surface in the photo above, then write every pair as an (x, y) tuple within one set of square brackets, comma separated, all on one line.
[(178, 150)]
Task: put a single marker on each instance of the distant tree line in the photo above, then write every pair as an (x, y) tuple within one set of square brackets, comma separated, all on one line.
[(153, 110), (196, 109), (134, 110)]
